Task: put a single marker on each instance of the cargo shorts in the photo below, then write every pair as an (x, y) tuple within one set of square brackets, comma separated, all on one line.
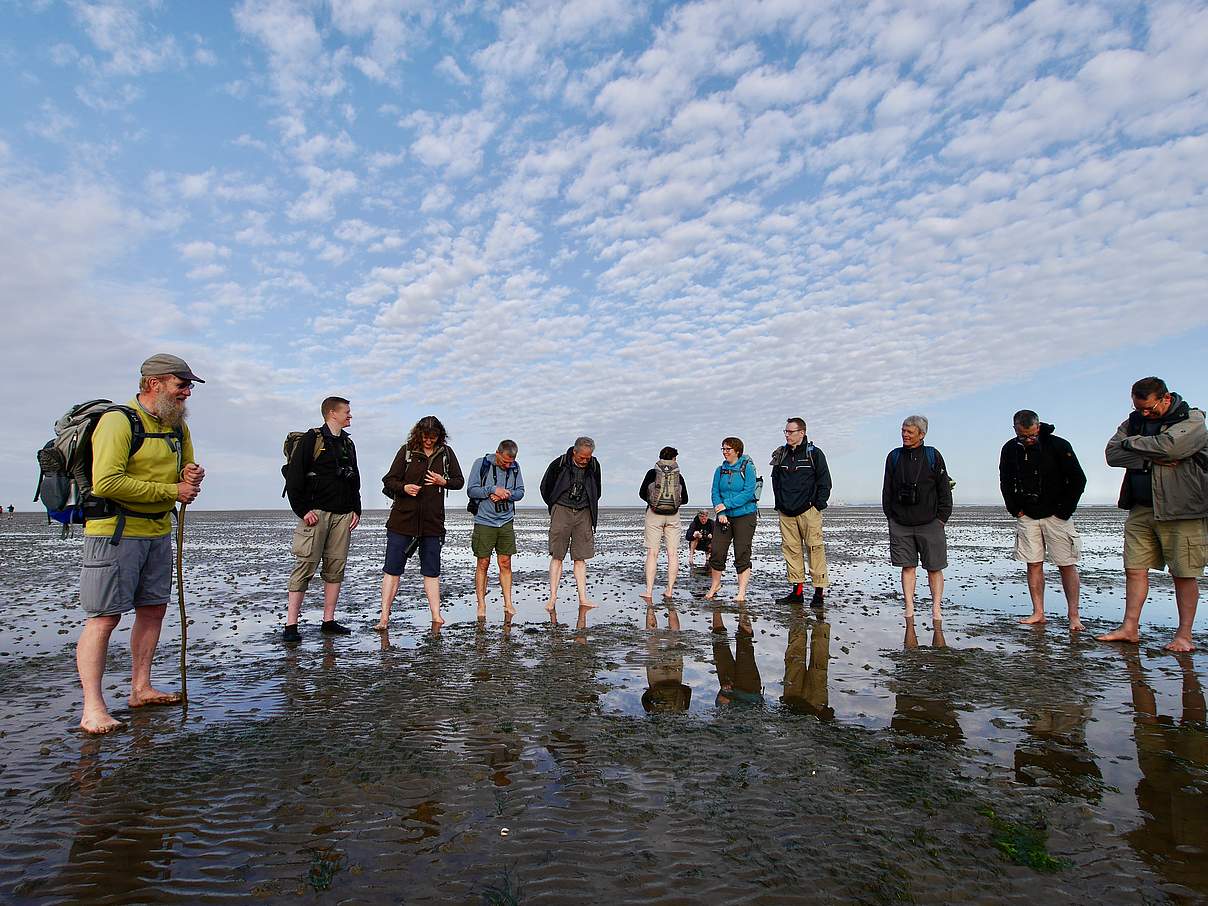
[(327, 541), (1051, 537), (1152, 544), (116, 578)]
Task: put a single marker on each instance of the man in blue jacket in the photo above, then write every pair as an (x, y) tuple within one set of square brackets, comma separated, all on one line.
[(801, 483), (495, 486)]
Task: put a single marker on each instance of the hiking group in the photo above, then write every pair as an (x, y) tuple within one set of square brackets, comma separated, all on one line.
[(122, 469)]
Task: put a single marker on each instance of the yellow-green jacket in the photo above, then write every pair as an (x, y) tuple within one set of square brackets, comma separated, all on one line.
[(145, 482)]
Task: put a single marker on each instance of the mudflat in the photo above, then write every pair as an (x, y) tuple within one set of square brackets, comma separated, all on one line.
[(824, 755)]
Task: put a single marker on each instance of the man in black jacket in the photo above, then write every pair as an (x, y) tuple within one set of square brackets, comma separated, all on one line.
[(1041, 484), (324, 489), (571, 489), (916, 498), (699, 537), (801, 483)]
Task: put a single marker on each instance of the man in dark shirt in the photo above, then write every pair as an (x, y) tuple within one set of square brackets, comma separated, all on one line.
[(1041, 483), (324, 489), (571, 490), (801, 483), (917, 500), (699, 536)]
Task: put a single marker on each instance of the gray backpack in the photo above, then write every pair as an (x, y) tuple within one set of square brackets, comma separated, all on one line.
[(664, 494)]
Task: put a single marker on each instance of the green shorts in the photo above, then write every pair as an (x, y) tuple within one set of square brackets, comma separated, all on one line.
[(490, 538), (1181, 544)]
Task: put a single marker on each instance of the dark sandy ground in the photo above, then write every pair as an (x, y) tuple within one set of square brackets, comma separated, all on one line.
[(853, 762)]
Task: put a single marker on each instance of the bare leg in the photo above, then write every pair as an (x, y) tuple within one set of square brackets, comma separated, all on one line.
[(908, 574), (1072, 587), (294, 608), (432, 590), (1186, 598), (744, 577), (480, 584), (935, 579), (1036, 590), (331, 594), (90, 661), (714, 584), (672, 568), (692, 554), (580, 569), (505, 583), (555, 576), (652, 565), (389, 590), (1136, 590), (144, 636)]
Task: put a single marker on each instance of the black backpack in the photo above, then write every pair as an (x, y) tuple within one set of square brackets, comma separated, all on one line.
[(293, 443)]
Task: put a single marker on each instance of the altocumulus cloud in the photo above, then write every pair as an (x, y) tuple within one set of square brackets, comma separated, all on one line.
[(655, 224)]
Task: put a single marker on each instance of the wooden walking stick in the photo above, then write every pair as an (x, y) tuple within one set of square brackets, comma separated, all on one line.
[(180, 598)]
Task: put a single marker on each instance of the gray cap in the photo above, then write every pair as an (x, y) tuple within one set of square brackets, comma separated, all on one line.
[(165, 363)]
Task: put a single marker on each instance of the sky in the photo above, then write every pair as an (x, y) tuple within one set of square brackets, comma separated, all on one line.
[(651, 223)]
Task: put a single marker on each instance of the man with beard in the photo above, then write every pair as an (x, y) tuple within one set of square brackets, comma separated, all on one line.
[(127, 563)]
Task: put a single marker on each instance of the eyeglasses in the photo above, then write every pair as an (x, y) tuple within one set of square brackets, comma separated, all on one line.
[(793, 430), (182, 383), (727, 449)]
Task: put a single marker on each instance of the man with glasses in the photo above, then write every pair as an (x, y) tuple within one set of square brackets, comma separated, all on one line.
[(571, 489), (324, 489), (1041, 483), (801, 483), (127, 562), (1163, 448)]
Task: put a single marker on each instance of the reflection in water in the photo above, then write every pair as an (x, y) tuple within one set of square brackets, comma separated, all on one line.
[(1173, 758), (665, 687), (933, 715), (805, 678), (737, 673)]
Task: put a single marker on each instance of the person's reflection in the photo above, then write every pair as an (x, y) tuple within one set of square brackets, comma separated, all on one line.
[(932, 716), (805, 678), (665, 688), (580, 623), (1173, 758), (737, 673)]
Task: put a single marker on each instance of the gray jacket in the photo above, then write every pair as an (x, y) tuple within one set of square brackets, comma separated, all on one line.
[(1180, 491)]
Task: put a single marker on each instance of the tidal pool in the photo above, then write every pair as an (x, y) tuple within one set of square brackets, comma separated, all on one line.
[(763, 753)]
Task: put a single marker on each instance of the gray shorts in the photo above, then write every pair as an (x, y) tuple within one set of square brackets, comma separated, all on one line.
[(908, 544), (116, 578), (571, 529)]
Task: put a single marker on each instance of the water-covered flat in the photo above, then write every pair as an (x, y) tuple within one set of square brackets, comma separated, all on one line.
[(846, 759)]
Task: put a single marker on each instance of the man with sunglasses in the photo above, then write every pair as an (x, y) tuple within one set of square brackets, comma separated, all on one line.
[(801, 483), (1163, 448), (127, 562), (324, 488)]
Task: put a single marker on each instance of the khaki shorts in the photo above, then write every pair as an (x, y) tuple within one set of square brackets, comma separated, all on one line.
[(664, 529), (1051, 537), (1150, 544), (327, 541), (115, 578), (493, 539), (571, 530)]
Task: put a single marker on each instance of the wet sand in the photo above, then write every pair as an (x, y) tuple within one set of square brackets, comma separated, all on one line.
[(845, 760)]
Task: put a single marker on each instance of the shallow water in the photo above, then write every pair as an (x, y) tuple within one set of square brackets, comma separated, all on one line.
[(847, 759)]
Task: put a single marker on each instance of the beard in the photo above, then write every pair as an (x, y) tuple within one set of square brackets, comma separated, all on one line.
[(169, 410)]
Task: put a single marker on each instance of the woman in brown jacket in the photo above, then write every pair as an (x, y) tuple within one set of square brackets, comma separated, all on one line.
[(422, 471)]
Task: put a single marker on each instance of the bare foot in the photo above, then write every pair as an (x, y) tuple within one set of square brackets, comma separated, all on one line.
[(549, 608), (482, 611), (509, 610), (587, 605), (154, 697), (1033, 620), (1120, 635), (936, 614), (98, 724), (647, 596), (1180, 644), (1076, 625), (380, 627), (438, 620), (711, 594), (910, 611)]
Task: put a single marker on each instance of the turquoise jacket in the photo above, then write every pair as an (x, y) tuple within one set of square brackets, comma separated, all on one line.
[(734, 489)]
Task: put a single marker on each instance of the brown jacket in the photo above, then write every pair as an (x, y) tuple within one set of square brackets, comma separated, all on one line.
[(424, 514)]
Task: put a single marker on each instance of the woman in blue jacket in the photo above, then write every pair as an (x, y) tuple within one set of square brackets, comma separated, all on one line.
[(736, 508)]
